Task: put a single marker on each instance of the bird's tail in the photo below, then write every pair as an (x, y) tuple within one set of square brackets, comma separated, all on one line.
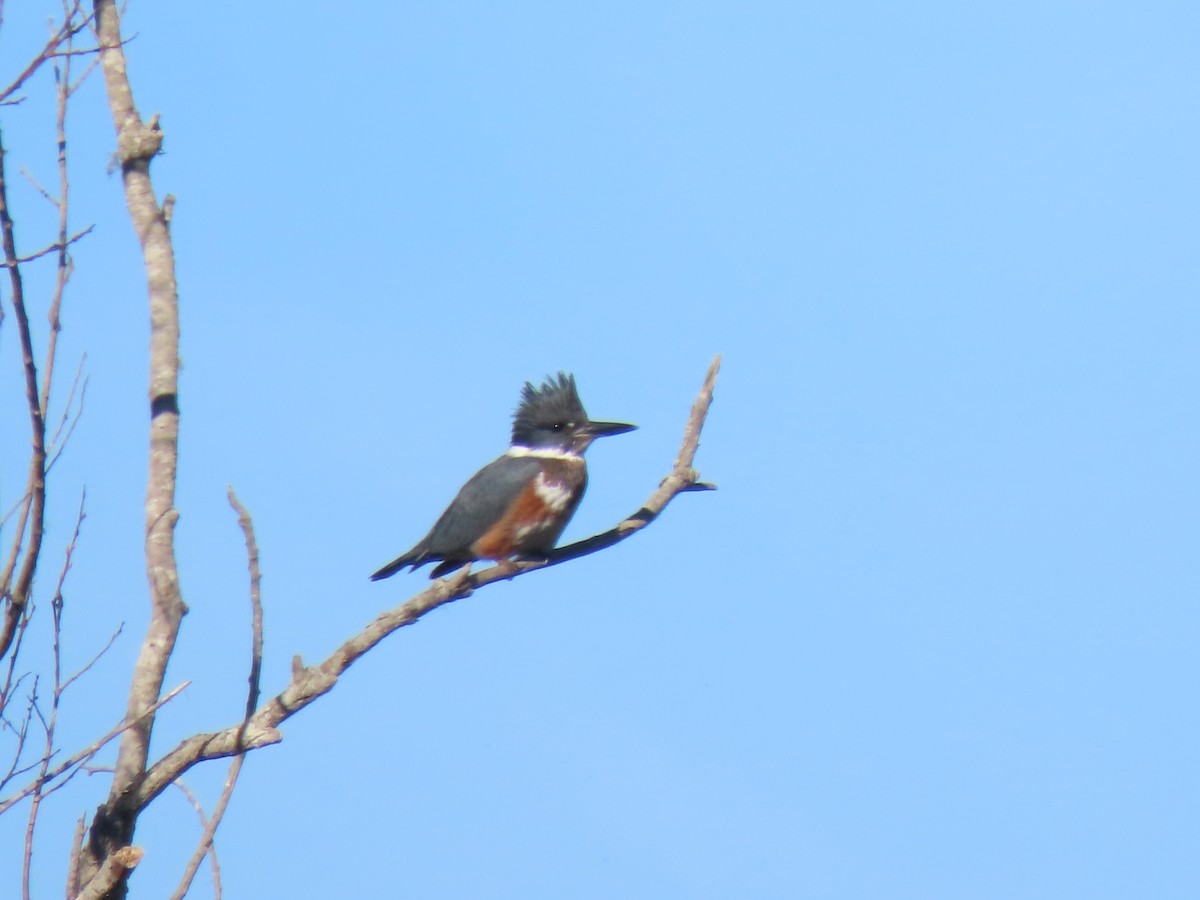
[(414, 558)]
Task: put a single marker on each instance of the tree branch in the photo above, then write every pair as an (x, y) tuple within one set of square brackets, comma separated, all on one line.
[(310, 682), (112, 873), (70, 27), (57, 247), (86, 753), (212, 851), (205, 846), (137, 144), (73, 859), (43, 787), (17, 593)]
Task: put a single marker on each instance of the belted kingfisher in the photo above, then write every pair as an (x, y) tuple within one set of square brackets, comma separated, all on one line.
[(518, 505)]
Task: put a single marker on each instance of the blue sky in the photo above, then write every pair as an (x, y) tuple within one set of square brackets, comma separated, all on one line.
[(934, 637)]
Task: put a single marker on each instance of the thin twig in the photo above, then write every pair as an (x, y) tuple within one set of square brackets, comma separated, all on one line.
[(212, 852), (57, 449), (17, 593), (91, 67), (10, 688), (70, 27), (256, 611), (59, 246), (24, 498), (63, 273), (62, 421), (22, 735), (84, 51), (87, 752), (50, 725), (6, 692), (112, 639), (37, 186), (205, 846)]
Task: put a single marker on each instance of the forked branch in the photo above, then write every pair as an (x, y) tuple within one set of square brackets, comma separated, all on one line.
[(209, 826)]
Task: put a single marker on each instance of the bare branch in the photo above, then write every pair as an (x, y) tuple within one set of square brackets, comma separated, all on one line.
[(91, 67), (138, 143), (12, 612), (310, 682), (12, 510), (17, 594), (16, 614), (64, 267), (42, 785), (115, 867), (208, 827), (75, 386), (205, 845), (112, 639), (55, 448), (10, 685), (58, 246), (86, 753), (22, 735), (73, 860), (212, 853), (256, 612), (37, 186), (57, 603), (71, 26), (85, 51)]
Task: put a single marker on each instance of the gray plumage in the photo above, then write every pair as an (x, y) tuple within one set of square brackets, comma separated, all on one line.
[(550, 433), (480, 502)]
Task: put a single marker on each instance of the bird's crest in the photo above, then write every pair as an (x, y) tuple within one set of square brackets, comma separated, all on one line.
[(556, 402)]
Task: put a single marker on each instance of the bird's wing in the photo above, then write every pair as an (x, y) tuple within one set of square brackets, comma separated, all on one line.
[(482, 501)]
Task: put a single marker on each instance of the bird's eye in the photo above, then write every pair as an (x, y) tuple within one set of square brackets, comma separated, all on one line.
[(558, 426)]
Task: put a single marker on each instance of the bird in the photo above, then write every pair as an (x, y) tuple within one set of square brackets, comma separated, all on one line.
[(518, 505)]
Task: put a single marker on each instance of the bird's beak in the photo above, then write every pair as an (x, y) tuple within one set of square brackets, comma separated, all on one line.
[(604, 429)]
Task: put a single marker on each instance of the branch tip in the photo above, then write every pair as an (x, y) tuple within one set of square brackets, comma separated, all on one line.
[(128, 857)]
